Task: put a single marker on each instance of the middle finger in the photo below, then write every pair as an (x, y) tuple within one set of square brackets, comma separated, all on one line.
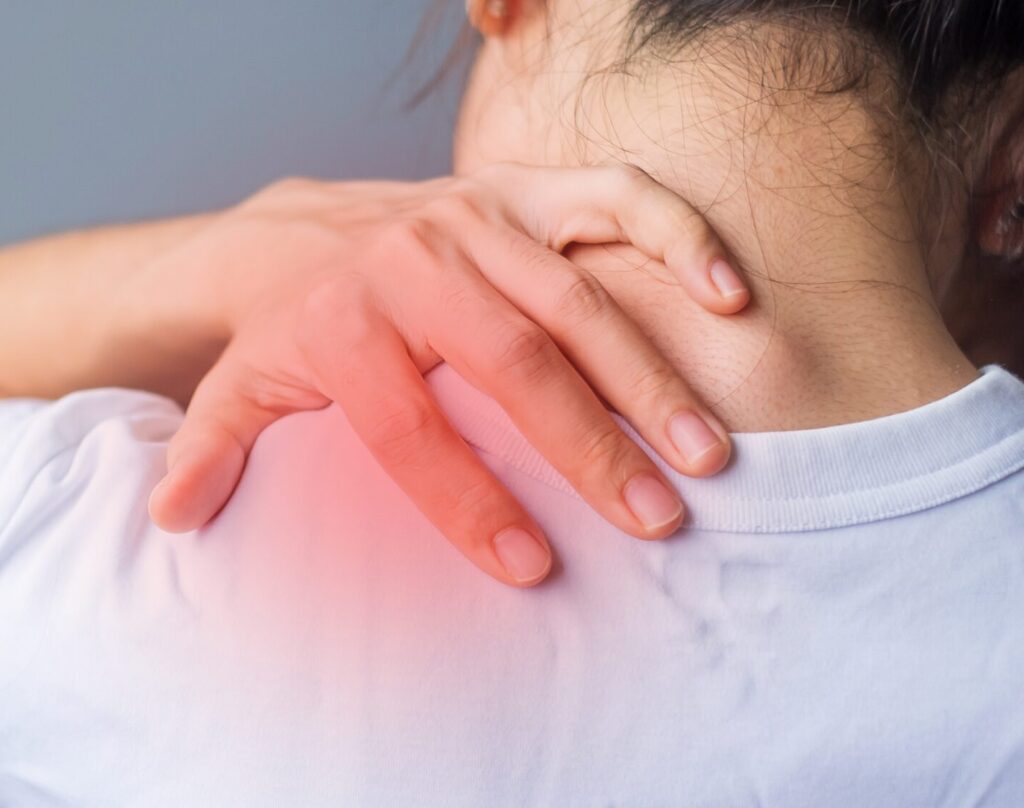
[(609, 349), (507, 356)]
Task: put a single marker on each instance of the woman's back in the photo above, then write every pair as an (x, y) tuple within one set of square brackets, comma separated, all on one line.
[(840, 625)]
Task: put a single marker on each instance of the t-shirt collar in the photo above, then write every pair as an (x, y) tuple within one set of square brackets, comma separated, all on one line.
[(807, 479)]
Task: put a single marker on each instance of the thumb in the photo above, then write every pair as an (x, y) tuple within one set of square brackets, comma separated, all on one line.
[(206, 457)]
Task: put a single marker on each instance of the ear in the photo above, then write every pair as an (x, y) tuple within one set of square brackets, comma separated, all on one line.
[(999, 205), (495, 17), (489, 17)]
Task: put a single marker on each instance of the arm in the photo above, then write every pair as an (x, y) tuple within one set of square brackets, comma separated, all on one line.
[(78, 310)]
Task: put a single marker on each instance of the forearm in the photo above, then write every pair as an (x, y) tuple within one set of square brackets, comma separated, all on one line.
[(87, 309)]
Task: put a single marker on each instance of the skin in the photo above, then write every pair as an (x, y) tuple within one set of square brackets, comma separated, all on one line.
[(843, 253), (311, 293)]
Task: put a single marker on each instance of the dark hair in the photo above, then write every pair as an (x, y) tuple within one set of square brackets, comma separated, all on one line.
[(949, 58), (935, 46), (940, 52), (938, 48)]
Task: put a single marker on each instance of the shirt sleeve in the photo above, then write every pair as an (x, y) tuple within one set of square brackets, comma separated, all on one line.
[(14, 415), (40, 440)]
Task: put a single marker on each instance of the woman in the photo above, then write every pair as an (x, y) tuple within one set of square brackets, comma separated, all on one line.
[(839, 624)]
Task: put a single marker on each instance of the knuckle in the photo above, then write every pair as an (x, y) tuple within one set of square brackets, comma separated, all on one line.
[(695, 231), (524, 352), (240, 385), (334, 330), (414, 237), (458, 206), (320, 305), (354, 331), (268, 395), (471, 500), (459, 297), (652, 381), (601, 448), (331, 313), (409, 232), (631, 177), (582, 300), (400, 431)]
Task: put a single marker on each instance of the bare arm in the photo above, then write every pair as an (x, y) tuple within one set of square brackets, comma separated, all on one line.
[(74, 313)]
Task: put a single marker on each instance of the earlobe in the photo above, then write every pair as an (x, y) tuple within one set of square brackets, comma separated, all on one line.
[(489, 17)]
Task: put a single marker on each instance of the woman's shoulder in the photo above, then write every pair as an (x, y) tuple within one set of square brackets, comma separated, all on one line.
[(51, 444), (66, 420)]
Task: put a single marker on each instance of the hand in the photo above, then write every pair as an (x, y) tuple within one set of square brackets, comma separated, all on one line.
[(350, 292)]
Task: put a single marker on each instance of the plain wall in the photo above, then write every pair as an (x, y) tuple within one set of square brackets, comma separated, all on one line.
[(125, 109)]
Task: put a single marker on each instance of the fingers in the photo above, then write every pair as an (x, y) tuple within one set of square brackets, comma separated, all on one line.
[(609, 349), (514, 361), (206, 457), (362, 363), (622, 203)]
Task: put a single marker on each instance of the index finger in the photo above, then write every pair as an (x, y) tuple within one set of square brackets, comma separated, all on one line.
[(622, 203), (400, 423)]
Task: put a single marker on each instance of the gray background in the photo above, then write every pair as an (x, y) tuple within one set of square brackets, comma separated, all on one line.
[(124, 109)]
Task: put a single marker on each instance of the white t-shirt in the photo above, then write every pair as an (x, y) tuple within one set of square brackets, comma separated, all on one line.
[(842, 623)]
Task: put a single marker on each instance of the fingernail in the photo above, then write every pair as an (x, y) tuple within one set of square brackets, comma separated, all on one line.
[(523, 557), (652, 502), (726, 280), (692, 435)]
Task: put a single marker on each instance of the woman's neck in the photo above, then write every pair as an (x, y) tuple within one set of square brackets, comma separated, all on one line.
[(828, 213), (829, 223), (799, 357)]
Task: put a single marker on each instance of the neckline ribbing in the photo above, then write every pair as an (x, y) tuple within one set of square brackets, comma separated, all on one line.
[(807, 479)]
